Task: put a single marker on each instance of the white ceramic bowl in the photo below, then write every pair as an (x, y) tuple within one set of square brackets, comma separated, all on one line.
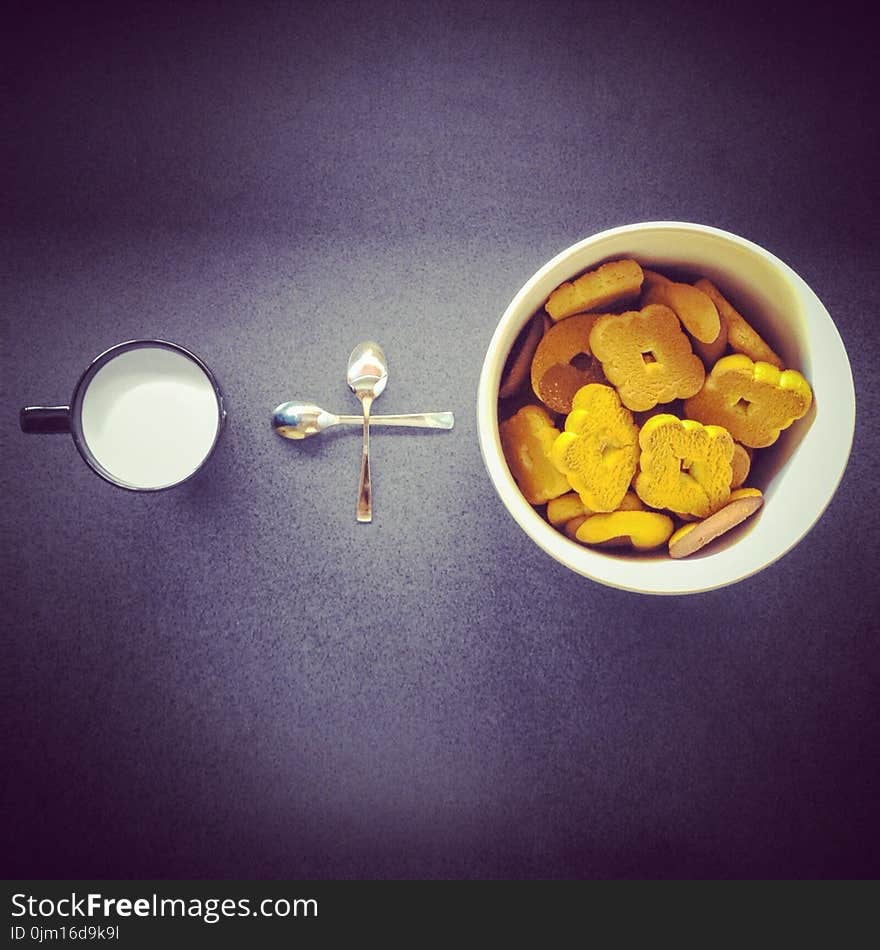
[(798, 475)]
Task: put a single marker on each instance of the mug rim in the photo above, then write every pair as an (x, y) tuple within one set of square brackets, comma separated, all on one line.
[(88, 374)]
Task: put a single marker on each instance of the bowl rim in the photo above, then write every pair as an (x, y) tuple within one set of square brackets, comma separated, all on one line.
[(629, 574)]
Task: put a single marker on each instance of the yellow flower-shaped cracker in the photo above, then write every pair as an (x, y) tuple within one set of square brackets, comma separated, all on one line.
[(555, 375), (684, 466), (753, 401), (599, 448), (645, 354), (526, 439)]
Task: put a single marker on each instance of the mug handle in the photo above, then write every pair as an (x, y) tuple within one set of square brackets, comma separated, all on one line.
[(44, 419)]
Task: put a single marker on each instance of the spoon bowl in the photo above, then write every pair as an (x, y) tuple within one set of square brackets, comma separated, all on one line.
[(300, 420), (367, 371)]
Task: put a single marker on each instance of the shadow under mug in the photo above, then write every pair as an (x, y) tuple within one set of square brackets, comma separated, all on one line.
[(145, 415)]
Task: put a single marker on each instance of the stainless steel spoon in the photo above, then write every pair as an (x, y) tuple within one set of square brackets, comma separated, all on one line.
[(300, 420), (367, 377)]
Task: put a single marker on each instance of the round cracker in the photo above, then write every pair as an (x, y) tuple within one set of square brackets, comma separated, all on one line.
[(516, 369), (692, 537)]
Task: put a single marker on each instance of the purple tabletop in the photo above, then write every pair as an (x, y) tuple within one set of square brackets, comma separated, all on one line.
[(234, 679)]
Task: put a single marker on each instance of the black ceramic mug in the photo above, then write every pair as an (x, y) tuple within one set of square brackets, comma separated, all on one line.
[(145, 415)]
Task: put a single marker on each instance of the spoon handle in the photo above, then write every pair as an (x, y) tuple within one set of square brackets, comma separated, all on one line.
[(414, 420), (365, 489)]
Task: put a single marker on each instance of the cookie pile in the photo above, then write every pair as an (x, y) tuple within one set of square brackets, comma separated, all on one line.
[(632, 407)]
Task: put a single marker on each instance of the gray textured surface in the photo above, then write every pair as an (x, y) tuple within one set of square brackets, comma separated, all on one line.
[(235, 679)]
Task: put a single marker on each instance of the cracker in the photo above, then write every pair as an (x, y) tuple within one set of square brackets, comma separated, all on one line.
[(741, 335), (690, 538), (516, 369), (608, 284)]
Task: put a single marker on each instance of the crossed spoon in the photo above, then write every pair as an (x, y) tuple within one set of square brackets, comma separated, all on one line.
[(367, 377), (301, 420)]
